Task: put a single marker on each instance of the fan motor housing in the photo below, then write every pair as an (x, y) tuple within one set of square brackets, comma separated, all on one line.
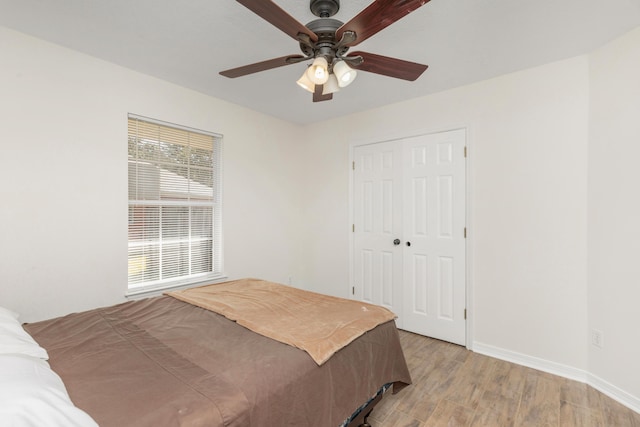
[(324, 8), (325, 29)]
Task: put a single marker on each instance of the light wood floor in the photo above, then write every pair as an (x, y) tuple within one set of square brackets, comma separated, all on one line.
[(456, 387)]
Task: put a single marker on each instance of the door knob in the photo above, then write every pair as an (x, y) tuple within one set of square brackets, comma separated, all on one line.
[(396, 242), (408, 243)]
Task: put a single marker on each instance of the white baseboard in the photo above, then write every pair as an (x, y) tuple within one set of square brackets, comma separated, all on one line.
[(614, 392), (532, 362), (559, 369)]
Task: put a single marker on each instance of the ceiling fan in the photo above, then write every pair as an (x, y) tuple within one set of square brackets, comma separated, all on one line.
[(325, 41)]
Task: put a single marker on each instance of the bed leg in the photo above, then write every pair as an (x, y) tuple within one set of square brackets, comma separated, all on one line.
[(362, 419), (365, 421)]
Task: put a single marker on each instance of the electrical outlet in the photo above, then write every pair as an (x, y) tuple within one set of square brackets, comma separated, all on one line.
[(597, 338)]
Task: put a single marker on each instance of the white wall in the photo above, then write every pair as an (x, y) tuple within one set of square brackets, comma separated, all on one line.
[(554, 230), (63, 177), (537, 150), (528, 187), (614, 214)]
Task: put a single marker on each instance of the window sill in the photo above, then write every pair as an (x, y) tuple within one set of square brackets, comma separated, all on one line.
[(134, 294)]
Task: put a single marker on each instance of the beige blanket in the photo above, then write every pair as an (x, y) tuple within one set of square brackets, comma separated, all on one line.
[(318, 324)]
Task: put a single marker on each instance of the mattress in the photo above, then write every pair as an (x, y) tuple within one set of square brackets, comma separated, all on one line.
[(161, 361)]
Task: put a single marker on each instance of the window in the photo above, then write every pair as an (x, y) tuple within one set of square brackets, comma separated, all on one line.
[(174, 205)]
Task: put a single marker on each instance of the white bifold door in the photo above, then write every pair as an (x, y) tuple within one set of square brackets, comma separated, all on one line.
[(409, 231)]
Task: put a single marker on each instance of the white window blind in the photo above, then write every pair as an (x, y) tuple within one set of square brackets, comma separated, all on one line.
[(174, 204)]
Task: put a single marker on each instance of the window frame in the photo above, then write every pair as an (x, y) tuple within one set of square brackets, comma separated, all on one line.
[(217, 259)]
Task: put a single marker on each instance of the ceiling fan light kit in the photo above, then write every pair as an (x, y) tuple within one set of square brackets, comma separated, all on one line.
[(305, 83), (318, 73), (325, 41), (331, 86), (345, 74)]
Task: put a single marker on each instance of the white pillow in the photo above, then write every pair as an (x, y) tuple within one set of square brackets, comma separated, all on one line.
[(14, 339), (32, 395), (5, 313)]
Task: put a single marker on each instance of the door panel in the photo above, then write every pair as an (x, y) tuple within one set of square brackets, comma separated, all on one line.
[(434, 171), (378, 221), (412, 190)]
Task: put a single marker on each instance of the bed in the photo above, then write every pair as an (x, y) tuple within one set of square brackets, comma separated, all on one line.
[(162, 361)]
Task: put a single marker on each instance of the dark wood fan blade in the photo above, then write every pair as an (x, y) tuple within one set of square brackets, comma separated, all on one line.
[(272, 13), (378, 16), (318, 96), (261, 66), (387, 66)]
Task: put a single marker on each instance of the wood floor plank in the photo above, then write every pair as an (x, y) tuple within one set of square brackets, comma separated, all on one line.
[(579, 394), (450, 414), (501, 398), (469, 381), (616, 414), (540, 402), (502, 412), (404, 420), (505, 381), (573, 415), (455, 387), (418, 404)]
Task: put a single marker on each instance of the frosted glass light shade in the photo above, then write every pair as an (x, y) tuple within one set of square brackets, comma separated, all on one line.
[(305, 83), (344, 73), (318, 72), (331, 85)]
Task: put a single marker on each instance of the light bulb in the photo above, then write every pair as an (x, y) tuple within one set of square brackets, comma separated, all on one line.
[(318, 72), (345, 74)]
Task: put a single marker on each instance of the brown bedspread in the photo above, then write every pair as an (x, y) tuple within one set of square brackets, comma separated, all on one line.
[(163, 362), (316, 323)]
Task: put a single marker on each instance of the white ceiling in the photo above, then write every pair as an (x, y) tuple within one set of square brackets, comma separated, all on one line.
[(189, 42)]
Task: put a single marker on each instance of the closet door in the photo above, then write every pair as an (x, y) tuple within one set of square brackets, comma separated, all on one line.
[(377, 207), (434, 280), (409, 231)]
